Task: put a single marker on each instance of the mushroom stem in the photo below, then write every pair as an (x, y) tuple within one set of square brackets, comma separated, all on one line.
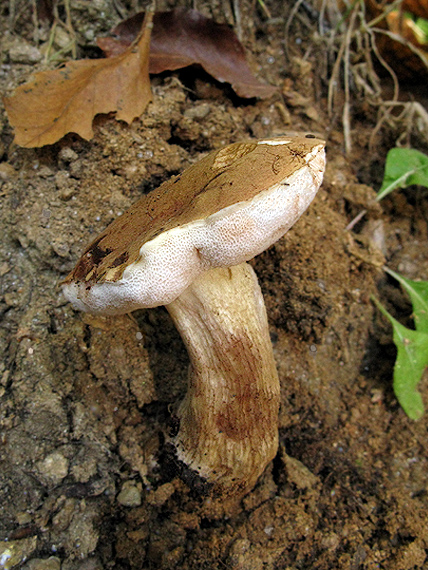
[(229, 417)]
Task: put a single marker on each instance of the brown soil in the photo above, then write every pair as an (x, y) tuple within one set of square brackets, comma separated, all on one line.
[(86, 403)]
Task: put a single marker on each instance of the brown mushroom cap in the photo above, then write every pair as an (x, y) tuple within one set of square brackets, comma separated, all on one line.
[(225, 209)]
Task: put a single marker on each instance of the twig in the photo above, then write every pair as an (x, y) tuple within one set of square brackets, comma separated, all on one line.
[(347, 75), (265, 9), (387, 10), (238, 19), (12, 13), (355, 221), (69, 27), (404, 42), (290, 19), (34, 17), (334, 79)]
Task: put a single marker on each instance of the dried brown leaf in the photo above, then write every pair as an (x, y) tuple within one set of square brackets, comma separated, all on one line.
[(66, 100), (185, 37)]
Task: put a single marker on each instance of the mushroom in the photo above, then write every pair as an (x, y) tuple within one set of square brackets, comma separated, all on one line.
[(185, 246)]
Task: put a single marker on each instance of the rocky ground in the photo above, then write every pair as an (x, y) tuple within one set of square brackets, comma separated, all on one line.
[(86, 403)]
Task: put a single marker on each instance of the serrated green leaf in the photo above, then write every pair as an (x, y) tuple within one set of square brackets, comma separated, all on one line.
[(404, 167), (418, 293), (412, 359)]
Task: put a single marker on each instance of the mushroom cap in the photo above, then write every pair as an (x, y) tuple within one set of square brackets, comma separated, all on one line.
[(224, 210)]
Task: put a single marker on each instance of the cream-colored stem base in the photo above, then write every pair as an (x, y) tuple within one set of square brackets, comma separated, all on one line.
[(229, 417)]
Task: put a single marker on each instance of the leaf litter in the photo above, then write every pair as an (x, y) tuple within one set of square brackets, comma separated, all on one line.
[(183, 37), (65, 100)]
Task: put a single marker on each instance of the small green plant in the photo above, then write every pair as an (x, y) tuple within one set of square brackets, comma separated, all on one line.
[(412, 347), (405, 167)]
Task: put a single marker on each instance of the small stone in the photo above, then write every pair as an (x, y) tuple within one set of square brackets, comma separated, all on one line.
[(51, 563), (5, 268), (68, 155), (60, 248), (76, 168), (45, 171), (14, 552), (54, 467), (62, 519), (7, 172), (65, 184), (161, 495), (11, 299), (130, 495), (89, 35), (23, 52), (23, 518), (198, 112), (312, 113), (67, 193), (62, 38), (299, 474), (62, 179)]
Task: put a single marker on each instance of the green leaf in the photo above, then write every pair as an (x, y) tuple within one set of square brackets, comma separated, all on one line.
[(422, 26), (418, 293), (412, 359), (404, 167)]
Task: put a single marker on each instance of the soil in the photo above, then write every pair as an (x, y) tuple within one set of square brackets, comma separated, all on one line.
[(86, 403)]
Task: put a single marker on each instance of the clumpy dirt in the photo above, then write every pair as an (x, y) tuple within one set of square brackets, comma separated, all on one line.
[(86, 404)]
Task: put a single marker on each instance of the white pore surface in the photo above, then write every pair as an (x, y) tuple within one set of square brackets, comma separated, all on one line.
[(170, 262)]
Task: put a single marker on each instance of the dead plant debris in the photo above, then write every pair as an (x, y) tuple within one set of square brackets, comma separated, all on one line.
[(66, 100), (183, 37)]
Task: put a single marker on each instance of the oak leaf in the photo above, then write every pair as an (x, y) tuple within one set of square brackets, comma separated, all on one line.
[(183, 37), (66, 100)]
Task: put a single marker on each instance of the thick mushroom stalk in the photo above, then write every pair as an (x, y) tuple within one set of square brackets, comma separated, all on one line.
[(229, 417)]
